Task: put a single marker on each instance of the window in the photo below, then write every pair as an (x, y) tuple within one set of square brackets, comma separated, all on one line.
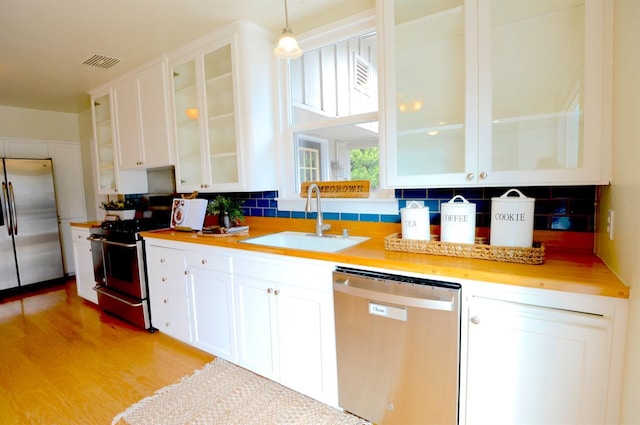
[(310, 159), (332, 109)]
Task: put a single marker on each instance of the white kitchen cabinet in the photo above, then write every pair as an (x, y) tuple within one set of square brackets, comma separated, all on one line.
[(109, 179), (142, 119), (212, 303), (495, 92), (83, 259), (531, 363), (285, 323), (169, 291), (223, 99), (24, 148), (69, 183)]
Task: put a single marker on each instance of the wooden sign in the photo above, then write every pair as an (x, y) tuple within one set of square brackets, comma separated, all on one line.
[(339, 189)]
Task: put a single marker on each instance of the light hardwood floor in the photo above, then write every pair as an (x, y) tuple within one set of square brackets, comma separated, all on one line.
[(63, 361)]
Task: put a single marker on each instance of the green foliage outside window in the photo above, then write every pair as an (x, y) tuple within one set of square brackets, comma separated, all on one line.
[(365, 165)]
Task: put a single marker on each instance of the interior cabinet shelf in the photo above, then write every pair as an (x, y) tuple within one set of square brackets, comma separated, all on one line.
[(220, 84), (222, 116), (224, 155)]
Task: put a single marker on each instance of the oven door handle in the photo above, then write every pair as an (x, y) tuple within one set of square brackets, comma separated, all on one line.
[(98, 288), (107, 242)]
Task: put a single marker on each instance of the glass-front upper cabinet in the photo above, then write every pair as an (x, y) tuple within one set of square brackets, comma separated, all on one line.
[(103, 134), (221, 117), (222, 99), (204, 111), (430, 92), (496, 92), (189, 169)]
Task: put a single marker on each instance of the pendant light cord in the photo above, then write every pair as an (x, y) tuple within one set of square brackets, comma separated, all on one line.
[(286, 14)]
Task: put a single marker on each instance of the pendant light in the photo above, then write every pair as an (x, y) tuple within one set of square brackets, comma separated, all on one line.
[(287, 44)]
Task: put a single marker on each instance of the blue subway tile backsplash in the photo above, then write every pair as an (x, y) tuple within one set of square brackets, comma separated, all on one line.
[(565, 208)]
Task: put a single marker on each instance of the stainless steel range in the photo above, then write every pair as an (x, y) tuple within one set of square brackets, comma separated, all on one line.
[(120, 269)]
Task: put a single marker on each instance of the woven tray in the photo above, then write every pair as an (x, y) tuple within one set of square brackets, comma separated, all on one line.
[(534, 255)]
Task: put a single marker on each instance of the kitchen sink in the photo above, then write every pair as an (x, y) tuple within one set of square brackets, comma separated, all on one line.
[(306, 241)]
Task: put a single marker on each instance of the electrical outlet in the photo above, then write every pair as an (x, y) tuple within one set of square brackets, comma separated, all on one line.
[(610, 224)]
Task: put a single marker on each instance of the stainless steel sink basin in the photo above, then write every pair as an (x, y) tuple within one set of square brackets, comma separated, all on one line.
[(306, 241)]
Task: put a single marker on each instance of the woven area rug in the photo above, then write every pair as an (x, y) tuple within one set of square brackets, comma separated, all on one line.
[(223, 393)]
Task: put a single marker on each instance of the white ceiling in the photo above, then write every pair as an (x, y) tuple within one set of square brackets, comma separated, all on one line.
[(44, 42)]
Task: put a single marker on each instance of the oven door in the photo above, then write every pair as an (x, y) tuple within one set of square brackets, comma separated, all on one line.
[(123, 268)]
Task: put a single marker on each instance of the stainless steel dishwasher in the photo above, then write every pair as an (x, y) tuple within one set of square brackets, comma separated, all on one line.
[(398, 345)]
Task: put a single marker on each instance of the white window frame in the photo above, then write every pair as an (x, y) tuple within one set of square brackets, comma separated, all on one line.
[(381, 202)]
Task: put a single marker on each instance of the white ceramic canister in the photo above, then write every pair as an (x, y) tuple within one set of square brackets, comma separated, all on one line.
[(512, 220), (458, 221), (415, 222)]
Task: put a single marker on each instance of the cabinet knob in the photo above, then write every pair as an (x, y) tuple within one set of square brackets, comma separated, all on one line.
[(203, 262), (475, 320), (269, 290), (166, 301), (186, 272), (167, 324), (483, 175), (164, 279), (471, 176), (276, 292), (162, 260)]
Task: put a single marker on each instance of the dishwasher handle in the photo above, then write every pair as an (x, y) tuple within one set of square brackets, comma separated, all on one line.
[(444, 302)]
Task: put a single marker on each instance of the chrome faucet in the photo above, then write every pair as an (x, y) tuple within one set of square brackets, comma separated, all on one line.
[(320, 226)]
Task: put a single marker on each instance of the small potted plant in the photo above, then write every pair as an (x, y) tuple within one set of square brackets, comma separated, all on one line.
[(229, 211), (122, 208)]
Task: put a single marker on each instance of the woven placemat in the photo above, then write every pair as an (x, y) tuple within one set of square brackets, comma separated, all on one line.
[(523, 255)]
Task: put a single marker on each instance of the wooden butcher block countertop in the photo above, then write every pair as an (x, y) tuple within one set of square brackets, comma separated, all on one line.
[(570, 264)]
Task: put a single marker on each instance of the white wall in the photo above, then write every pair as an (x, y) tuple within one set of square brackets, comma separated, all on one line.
[(37, 124), (47, 125), (623, 196)]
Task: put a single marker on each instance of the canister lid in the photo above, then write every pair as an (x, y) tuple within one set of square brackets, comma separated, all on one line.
[(506, 198)]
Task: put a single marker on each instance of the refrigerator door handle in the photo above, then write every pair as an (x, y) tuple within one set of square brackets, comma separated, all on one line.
[(13, 209), (5, 195)]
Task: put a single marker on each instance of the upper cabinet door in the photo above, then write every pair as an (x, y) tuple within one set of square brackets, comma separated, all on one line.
[(430, 80), (221, 116), (157, 144), (189, 127), (141, 107), (541, 91), (495, 92), (103, 143), (126, 107)]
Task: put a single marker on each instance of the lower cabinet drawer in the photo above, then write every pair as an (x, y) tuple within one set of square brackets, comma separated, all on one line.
[(170, 303), (176, 327)]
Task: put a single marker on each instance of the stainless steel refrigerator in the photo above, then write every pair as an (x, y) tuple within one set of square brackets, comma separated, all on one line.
[(30, 250)]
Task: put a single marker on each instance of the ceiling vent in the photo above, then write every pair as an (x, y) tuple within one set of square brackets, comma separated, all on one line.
[(101, 61)]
